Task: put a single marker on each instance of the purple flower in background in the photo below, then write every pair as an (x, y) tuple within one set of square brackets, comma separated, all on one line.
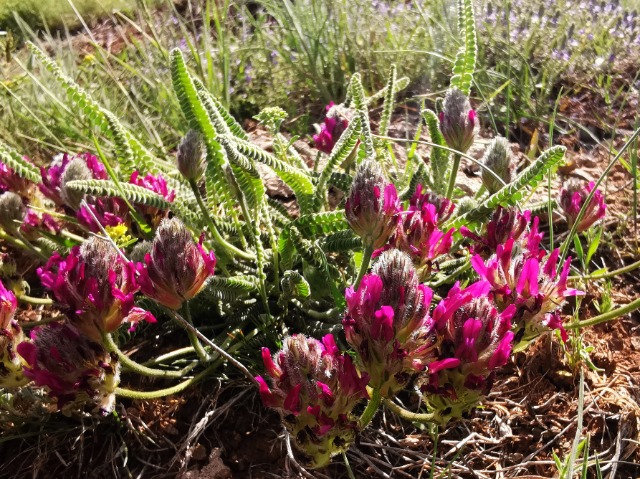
[(335, 122), (572, 199), (11, 336)]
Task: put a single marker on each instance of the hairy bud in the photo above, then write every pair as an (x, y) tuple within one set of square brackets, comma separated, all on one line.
[(77, 169), (497, 158), (12, 210), (190, 157), (457, 120), (372, 206)]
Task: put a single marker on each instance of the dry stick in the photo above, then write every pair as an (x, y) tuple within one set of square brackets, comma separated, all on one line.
[(217, 348), (292, 458)]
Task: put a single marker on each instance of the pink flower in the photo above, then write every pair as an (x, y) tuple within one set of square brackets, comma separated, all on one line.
[(11, 336), (442, 207), (572, 199), (52, 176), (372, 206), (316, 388), (332, 128), (11, 181), (528, 281), (505, 223), (387, 323), (75, 369), (108, 211), (95, 287), (177, 268), (158, 185)]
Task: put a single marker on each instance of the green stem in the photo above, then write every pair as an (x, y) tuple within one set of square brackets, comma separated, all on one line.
[(22, 245), (130, 393), (454, 274), (603, 318), (170, 355), (195, 342), (234, 251), (31, 300), (371, 409), (364, 266), (129, 363), (347, 465), (408, 415), (610, 274), (454, 175)]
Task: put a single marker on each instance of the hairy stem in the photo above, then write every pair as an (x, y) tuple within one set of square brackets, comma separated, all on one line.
[(371, 409), (195, 342), (454, 175), (129, 363), (233, 250), (31, 300), (603, 318), (129, 393), (407, 415), (364, 266)]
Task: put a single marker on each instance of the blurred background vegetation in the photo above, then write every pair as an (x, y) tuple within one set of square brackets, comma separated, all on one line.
[(299, 54)]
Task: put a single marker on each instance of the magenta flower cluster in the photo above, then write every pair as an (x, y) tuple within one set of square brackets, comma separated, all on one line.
[(315, 388)]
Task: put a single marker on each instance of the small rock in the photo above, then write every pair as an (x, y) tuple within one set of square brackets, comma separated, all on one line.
[(635, 343)]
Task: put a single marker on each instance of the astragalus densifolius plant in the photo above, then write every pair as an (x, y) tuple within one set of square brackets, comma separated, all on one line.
[(379, 285)]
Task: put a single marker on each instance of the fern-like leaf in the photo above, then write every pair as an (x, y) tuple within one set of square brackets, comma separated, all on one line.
[(465, 62), (439, 160), (212, 104), (341, 150), (132, 193), (514, 191), (342, 181), (400, 84), (340, 242), (17, 163), (417, 178), (294, 284), (360, 104), (389, 98)]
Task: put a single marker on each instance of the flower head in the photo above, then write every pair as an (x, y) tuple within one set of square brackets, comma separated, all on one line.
[(457, 120), (176, 268), (95, 286), (190, 156), (158, 185), (335, 122), (75, 369), (572, 199), (417, 232), (315, 388), (11, 374), (372, 206), (52, 176), (497, 158), (77, 169), (505, 223), (387, 323)]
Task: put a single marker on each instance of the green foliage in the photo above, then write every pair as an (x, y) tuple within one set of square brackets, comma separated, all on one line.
[(389, 98), (439, 160), (132, 193), (465, 62), (514, 191), (17, 163)]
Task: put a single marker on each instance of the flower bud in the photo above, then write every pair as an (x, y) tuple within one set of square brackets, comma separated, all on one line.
[(190, 156), (315, 389), (75, 369), (505, 223), (572, 198), (372, 206), (497, 158), (139, 251), (77, 169), (11, 374), (457, 120), (176, 268), (12, 211)]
